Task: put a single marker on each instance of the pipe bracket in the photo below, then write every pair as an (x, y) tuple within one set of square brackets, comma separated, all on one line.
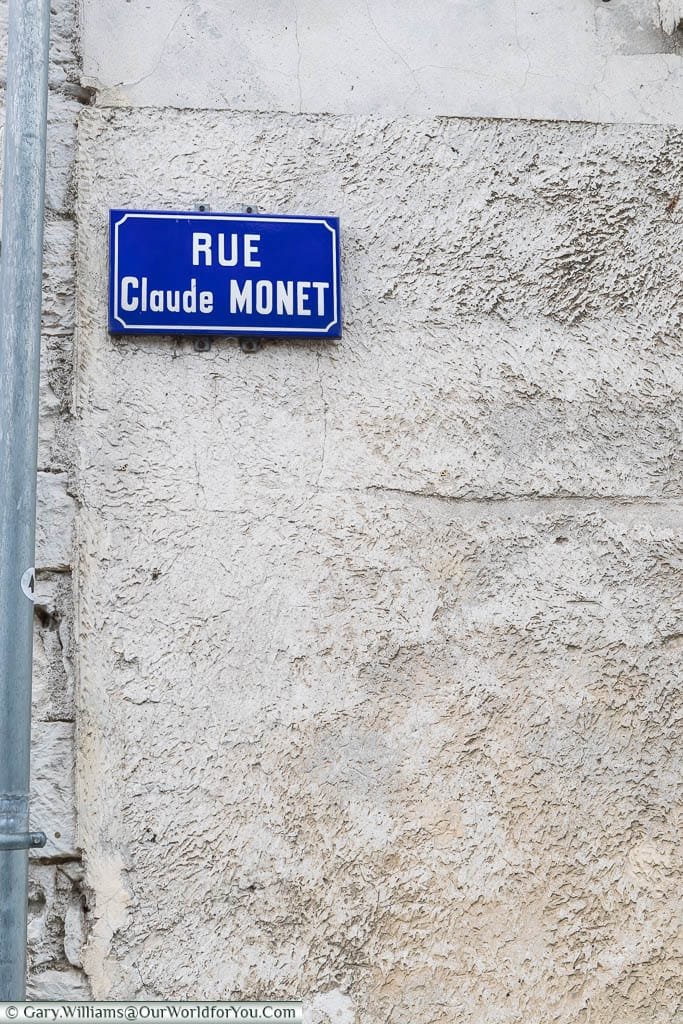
[(23, 841)]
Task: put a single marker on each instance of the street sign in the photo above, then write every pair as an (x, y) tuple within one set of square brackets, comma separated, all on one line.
[(223, 273)]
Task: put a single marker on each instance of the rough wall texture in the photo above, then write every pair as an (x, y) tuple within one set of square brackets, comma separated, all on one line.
[(56, 907), (379, 642), (671, 15), (571, 59)]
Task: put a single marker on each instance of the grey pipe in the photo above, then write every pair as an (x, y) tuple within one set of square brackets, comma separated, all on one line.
[(20, 300)]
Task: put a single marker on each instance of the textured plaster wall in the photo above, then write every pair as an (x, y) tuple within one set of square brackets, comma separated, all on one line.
[(56, 899), (570, 59), (380, 642)]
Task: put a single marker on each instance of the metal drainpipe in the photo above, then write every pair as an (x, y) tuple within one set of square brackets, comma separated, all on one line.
[(20, 296)]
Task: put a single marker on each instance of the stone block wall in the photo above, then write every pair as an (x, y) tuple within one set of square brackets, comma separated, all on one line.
[(57, 903)]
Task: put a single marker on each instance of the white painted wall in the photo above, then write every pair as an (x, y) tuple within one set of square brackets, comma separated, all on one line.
[(582, 60)]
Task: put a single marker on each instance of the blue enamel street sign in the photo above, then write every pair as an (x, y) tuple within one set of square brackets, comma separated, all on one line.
[(223, 273)]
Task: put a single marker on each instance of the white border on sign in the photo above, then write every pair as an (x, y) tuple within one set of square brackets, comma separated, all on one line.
[(225, 217)]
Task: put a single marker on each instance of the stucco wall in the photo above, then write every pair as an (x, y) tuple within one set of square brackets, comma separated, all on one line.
[(379, 641), (582, 60)]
